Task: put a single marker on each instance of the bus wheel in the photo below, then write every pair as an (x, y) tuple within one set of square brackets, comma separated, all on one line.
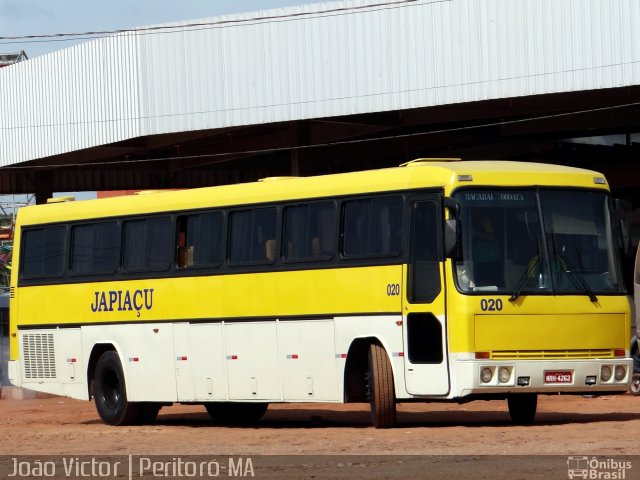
[(635, 384), (522, 407), (380, 388), (148, 413), (110, 393), (235, 412)]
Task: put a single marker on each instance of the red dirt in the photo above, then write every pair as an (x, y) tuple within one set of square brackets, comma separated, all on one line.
[(564, 425)]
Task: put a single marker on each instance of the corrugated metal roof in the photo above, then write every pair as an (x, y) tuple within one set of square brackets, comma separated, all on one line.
[(312, 61)]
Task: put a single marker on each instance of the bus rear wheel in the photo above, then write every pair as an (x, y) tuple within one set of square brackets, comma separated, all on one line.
[(380, 388), (522, 407), (235, 412), (110, 392)]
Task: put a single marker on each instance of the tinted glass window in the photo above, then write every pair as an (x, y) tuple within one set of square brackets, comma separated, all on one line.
[(43, 252), (504, 240), (373, 227), (94, 248), (424, 266), (200, 240), (253, 236), (147, 244), (310, 232)]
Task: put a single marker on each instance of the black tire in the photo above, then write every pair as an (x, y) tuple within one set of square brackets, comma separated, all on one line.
[(235, 412), (110, 392), (635, 385), (380, 388), (148, 413), (522, 407)]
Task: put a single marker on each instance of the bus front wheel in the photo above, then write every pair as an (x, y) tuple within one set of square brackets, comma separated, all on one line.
[(110, 392), (380, 388), (522, 407)]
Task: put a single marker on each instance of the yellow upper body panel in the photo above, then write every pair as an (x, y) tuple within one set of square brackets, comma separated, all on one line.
[(417, 174)]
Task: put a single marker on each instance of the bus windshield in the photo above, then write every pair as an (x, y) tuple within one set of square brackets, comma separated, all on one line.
[(536, 241)]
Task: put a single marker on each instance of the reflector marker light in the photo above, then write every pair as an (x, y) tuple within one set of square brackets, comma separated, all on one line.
[(341, 355), (618, 352), (71, 360), (134, 359), (181, 359), (398, 354), (599, 181), (293, 356), (232, 357), (483, 355)]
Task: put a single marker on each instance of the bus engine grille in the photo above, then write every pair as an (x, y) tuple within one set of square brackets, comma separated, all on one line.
[(39, 356), (542, 354)]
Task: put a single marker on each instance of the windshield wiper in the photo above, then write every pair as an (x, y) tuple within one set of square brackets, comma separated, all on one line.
[(576, 277), (524, 279)]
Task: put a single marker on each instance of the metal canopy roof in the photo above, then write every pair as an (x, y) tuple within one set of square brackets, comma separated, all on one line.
[(223, 99)]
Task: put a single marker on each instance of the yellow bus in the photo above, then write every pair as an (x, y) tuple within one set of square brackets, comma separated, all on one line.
[(437, 281)]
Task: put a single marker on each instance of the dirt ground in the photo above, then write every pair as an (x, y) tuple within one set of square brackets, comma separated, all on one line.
[(565, 425)]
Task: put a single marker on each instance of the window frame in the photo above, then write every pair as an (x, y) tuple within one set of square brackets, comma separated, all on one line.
[(73, 226), (223, 240), (402, 197), (169, 261), (23, 246), (336, 232), (277, 207)]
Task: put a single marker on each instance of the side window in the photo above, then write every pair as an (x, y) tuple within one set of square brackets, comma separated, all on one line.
[(147, 244), (310, 232), (372, 227), (424, 252), (252, 236), (94, 248), (200, 240), (43, 252)]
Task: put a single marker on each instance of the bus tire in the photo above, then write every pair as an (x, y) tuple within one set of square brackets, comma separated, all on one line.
[(380, 388), (635, 384), (522, 407), (235, 412), (148, 413), (110, 392)]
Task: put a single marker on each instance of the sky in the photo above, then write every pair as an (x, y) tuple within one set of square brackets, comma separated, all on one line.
[(36, 17)]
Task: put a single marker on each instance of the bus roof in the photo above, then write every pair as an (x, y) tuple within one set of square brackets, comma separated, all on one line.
[(421, 173)]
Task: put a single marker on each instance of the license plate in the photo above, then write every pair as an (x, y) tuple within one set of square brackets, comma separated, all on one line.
[(555, 376)]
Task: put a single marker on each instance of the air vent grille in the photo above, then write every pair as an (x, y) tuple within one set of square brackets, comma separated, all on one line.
[(551, 354), (39, 356)]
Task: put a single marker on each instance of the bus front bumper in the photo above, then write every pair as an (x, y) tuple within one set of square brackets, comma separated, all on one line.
[(543, 376), (13, 372)]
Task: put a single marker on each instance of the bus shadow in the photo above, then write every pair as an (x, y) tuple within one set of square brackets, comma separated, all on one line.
[(305, 419)]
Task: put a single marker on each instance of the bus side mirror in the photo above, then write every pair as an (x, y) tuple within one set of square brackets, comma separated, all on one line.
[(451, 238), (451, 229)]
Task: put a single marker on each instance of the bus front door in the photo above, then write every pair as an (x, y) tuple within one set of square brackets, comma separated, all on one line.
[(426, 369)]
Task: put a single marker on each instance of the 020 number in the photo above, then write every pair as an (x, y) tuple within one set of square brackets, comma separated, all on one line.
[(393, 289), (491, 304)]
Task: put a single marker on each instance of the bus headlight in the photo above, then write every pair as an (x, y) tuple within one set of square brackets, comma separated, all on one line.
[(486, 374), (605, 373), (620, 373), (504, 375)]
